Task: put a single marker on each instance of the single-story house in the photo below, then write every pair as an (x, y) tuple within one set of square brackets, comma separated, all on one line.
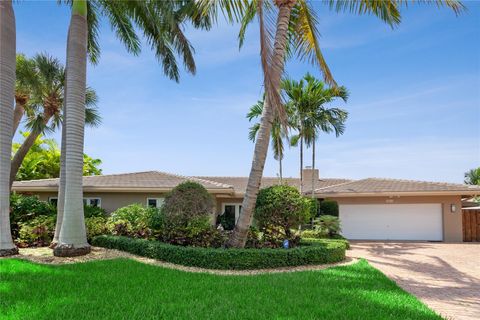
[(369, 209)]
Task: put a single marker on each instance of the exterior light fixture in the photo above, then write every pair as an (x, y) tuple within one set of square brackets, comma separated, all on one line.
[(453, 208)]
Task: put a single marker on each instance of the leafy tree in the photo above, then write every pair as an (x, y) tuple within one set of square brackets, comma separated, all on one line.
[(188, 200), (43, 161), (280, 208), (288, 27)]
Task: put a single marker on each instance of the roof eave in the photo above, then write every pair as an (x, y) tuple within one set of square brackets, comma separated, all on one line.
[(117, 189), (395, 194)]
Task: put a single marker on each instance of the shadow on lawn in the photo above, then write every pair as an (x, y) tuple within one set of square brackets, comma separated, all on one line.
[(126, 289)]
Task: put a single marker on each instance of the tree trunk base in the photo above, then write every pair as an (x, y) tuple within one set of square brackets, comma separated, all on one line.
[(8, 252), (68, 250), (53, 244)]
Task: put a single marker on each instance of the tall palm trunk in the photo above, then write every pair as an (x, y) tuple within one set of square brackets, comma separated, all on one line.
[(7, 94), (313, 168), (280, 156), (61, 184), (72, 240), (23, 150), (239, 235), (301, 164)]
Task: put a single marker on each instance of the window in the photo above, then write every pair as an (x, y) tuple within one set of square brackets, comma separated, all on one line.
[(154, 202), (231, 212), (93, 202), (53, 201)]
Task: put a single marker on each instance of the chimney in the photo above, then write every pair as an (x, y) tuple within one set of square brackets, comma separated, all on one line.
[(307, 174)]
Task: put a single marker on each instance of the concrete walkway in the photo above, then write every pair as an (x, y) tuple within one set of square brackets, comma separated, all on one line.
[(444, 276)]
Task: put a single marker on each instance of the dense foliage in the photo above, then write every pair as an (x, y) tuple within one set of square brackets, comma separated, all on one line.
[(315, 253), (329, 207), (38, 231), (324, 227), (24, 209), (280, 209), (131, 221), (43, 161), (187, 200)]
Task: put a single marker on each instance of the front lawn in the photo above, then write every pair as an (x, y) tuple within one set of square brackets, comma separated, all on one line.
[(126, 289)]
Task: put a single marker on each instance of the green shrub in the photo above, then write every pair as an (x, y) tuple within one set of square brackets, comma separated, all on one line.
[(329, 207), (279, 209), (314, 234), (95, 226), (187, 200), (38, 231), (92, 211), (131, 221), (329, 225), (314, 207), (317, 252), (26, 208), (157, 220)]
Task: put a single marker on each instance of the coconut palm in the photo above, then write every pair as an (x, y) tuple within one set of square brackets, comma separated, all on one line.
[(278, 134), (293, 25), (7, 95), (161, 23), (307, 98), (44, 103)]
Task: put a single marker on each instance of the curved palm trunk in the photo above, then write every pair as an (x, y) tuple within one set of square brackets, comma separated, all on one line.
[(239, 235), (7, 94), (72, 239), (18, 113), (22, 152)]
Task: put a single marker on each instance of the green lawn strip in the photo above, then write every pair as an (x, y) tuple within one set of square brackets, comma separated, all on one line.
[(126, 289)]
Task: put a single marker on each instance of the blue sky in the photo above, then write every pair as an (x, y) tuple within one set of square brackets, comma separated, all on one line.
[(414, 97)]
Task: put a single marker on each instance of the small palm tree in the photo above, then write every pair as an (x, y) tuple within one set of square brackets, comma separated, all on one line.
[(44, 103), (278, 134), (307, 98), (473, 176)]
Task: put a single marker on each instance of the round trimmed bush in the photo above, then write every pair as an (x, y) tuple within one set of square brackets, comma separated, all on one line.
[(187, 200), (278, 210)]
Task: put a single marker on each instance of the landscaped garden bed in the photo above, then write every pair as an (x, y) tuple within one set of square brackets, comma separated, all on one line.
[(308, 253)]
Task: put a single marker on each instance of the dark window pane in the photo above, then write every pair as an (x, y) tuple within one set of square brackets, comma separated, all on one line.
[(54, 201), (152, 203), (95, 202)]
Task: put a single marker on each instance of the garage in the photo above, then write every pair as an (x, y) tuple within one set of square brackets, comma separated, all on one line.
[(420, 221)]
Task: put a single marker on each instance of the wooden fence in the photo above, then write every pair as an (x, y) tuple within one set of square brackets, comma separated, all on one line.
[(471, 225)]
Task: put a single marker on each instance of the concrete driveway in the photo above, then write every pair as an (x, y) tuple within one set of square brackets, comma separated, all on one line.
[(444, 276)]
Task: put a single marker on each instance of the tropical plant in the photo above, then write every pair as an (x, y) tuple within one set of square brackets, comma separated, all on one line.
[(7, 95), (43, 161), (132, 220), (307, 99), (329, 225), (473, 176), (292, 24), (278, 133), (161, 23), (44, 105), (26, 79)]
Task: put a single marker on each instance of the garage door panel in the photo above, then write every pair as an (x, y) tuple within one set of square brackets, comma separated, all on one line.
[(392, 221)]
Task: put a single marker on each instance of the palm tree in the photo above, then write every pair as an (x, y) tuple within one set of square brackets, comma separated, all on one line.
[(307, 98), (44, 105), (278, 134), (25, 81), (7, 95), (161, 23), (293, 24), (473, 176)]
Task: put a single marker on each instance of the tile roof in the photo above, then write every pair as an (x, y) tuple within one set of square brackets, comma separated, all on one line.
[(240, 183), (148, 179), (378, 185)]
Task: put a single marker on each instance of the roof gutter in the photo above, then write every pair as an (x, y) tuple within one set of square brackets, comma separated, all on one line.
[(396, 194)]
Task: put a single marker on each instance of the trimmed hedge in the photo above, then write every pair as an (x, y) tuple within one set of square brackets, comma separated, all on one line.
[(313, 252)]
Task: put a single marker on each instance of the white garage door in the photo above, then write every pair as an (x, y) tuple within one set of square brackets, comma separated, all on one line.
[(392, 221)]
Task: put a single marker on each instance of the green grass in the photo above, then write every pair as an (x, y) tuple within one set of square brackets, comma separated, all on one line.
[(126, 289)]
